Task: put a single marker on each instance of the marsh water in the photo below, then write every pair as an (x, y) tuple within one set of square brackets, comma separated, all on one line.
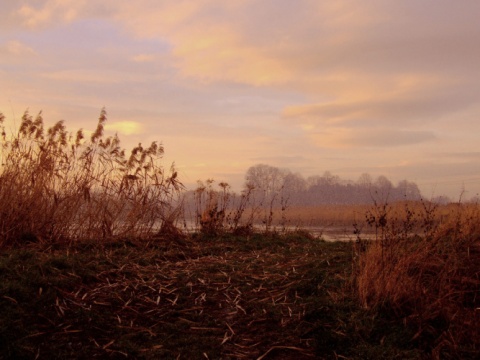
[(327, 233)]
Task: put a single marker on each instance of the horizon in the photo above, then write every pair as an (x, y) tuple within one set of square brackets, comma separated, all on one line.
[(349, 87)]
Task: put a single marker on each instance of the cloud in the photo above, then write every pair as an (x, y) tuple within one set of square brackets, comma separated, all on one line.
[(339, 137), (209, 40), (379, 111), (42, 14), (362, 116), (279, 42), (114, 76), (17, 49), (460, 156), (143, 58), (49, 12), (408, 105), (308, 76), (222, 57), (356, 65)]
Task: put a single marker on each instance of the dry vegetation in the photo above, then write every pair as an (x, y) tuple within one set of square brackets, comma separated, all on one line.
[(425, 268), (59, 186), (93, 264), (345, 216), (339, 216), (229, 297)]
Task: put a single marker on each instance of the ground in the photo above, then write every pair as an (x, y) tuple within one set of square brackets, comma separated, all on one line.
[(225, 297)]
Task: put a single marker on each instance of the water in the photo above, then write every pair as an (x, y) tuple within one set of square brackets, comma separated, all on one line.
[(329, 233), (332, 233)]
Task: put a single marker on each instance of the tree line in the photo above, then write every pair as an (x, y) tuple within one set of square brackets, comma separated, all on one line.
[(283, 186)]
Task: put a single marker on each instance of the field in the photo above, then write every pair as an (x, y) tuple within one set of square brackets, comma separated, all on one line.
[(256, 297), (339, 216)]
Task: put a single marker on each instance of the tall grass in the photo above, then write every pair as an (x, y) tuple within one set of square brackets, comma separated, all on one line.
[(219, 210), (426, 270), (56, 185)]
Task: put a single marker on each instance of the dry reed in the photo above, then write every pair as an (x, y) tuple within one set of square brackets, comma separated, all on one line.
[(429, 278), (55, 185)]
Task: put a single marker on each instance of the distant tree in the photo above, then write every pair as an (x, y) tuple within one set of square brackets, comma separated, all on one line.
[(329, 179), (408, 190), (295, 184), (269, 189), (274, 187), (382, 182), (313, 181), (267, 180), (365, 180), (382, 189)]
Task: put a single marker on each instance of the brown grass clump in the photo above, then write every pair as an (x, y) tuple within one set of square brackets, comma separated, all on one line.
[(60, 186), (218, 210), (431, 279)]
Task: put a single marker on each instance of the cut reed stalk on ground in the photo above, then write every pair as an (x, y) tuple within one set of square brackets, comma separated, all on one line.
[(229, 297)]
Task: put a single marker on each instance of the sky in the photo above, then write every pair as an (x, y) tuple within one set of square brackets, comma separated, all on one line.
[(383, 87)]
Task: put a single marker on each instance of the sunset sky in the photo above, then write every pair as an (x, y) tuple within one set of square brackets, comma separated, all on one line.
[(385, 87)]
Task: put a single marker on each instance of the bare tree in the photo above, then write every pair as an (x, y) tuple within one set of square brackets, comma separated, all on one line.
[(365, 180), (383, 189), (269, 185), (409, 190)]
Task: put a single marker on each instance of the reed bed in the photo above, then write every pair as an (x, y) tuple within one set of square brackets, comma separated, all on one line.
[(229, 212), (431, 279), (62, 186), (347, 215), (325, 215)]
